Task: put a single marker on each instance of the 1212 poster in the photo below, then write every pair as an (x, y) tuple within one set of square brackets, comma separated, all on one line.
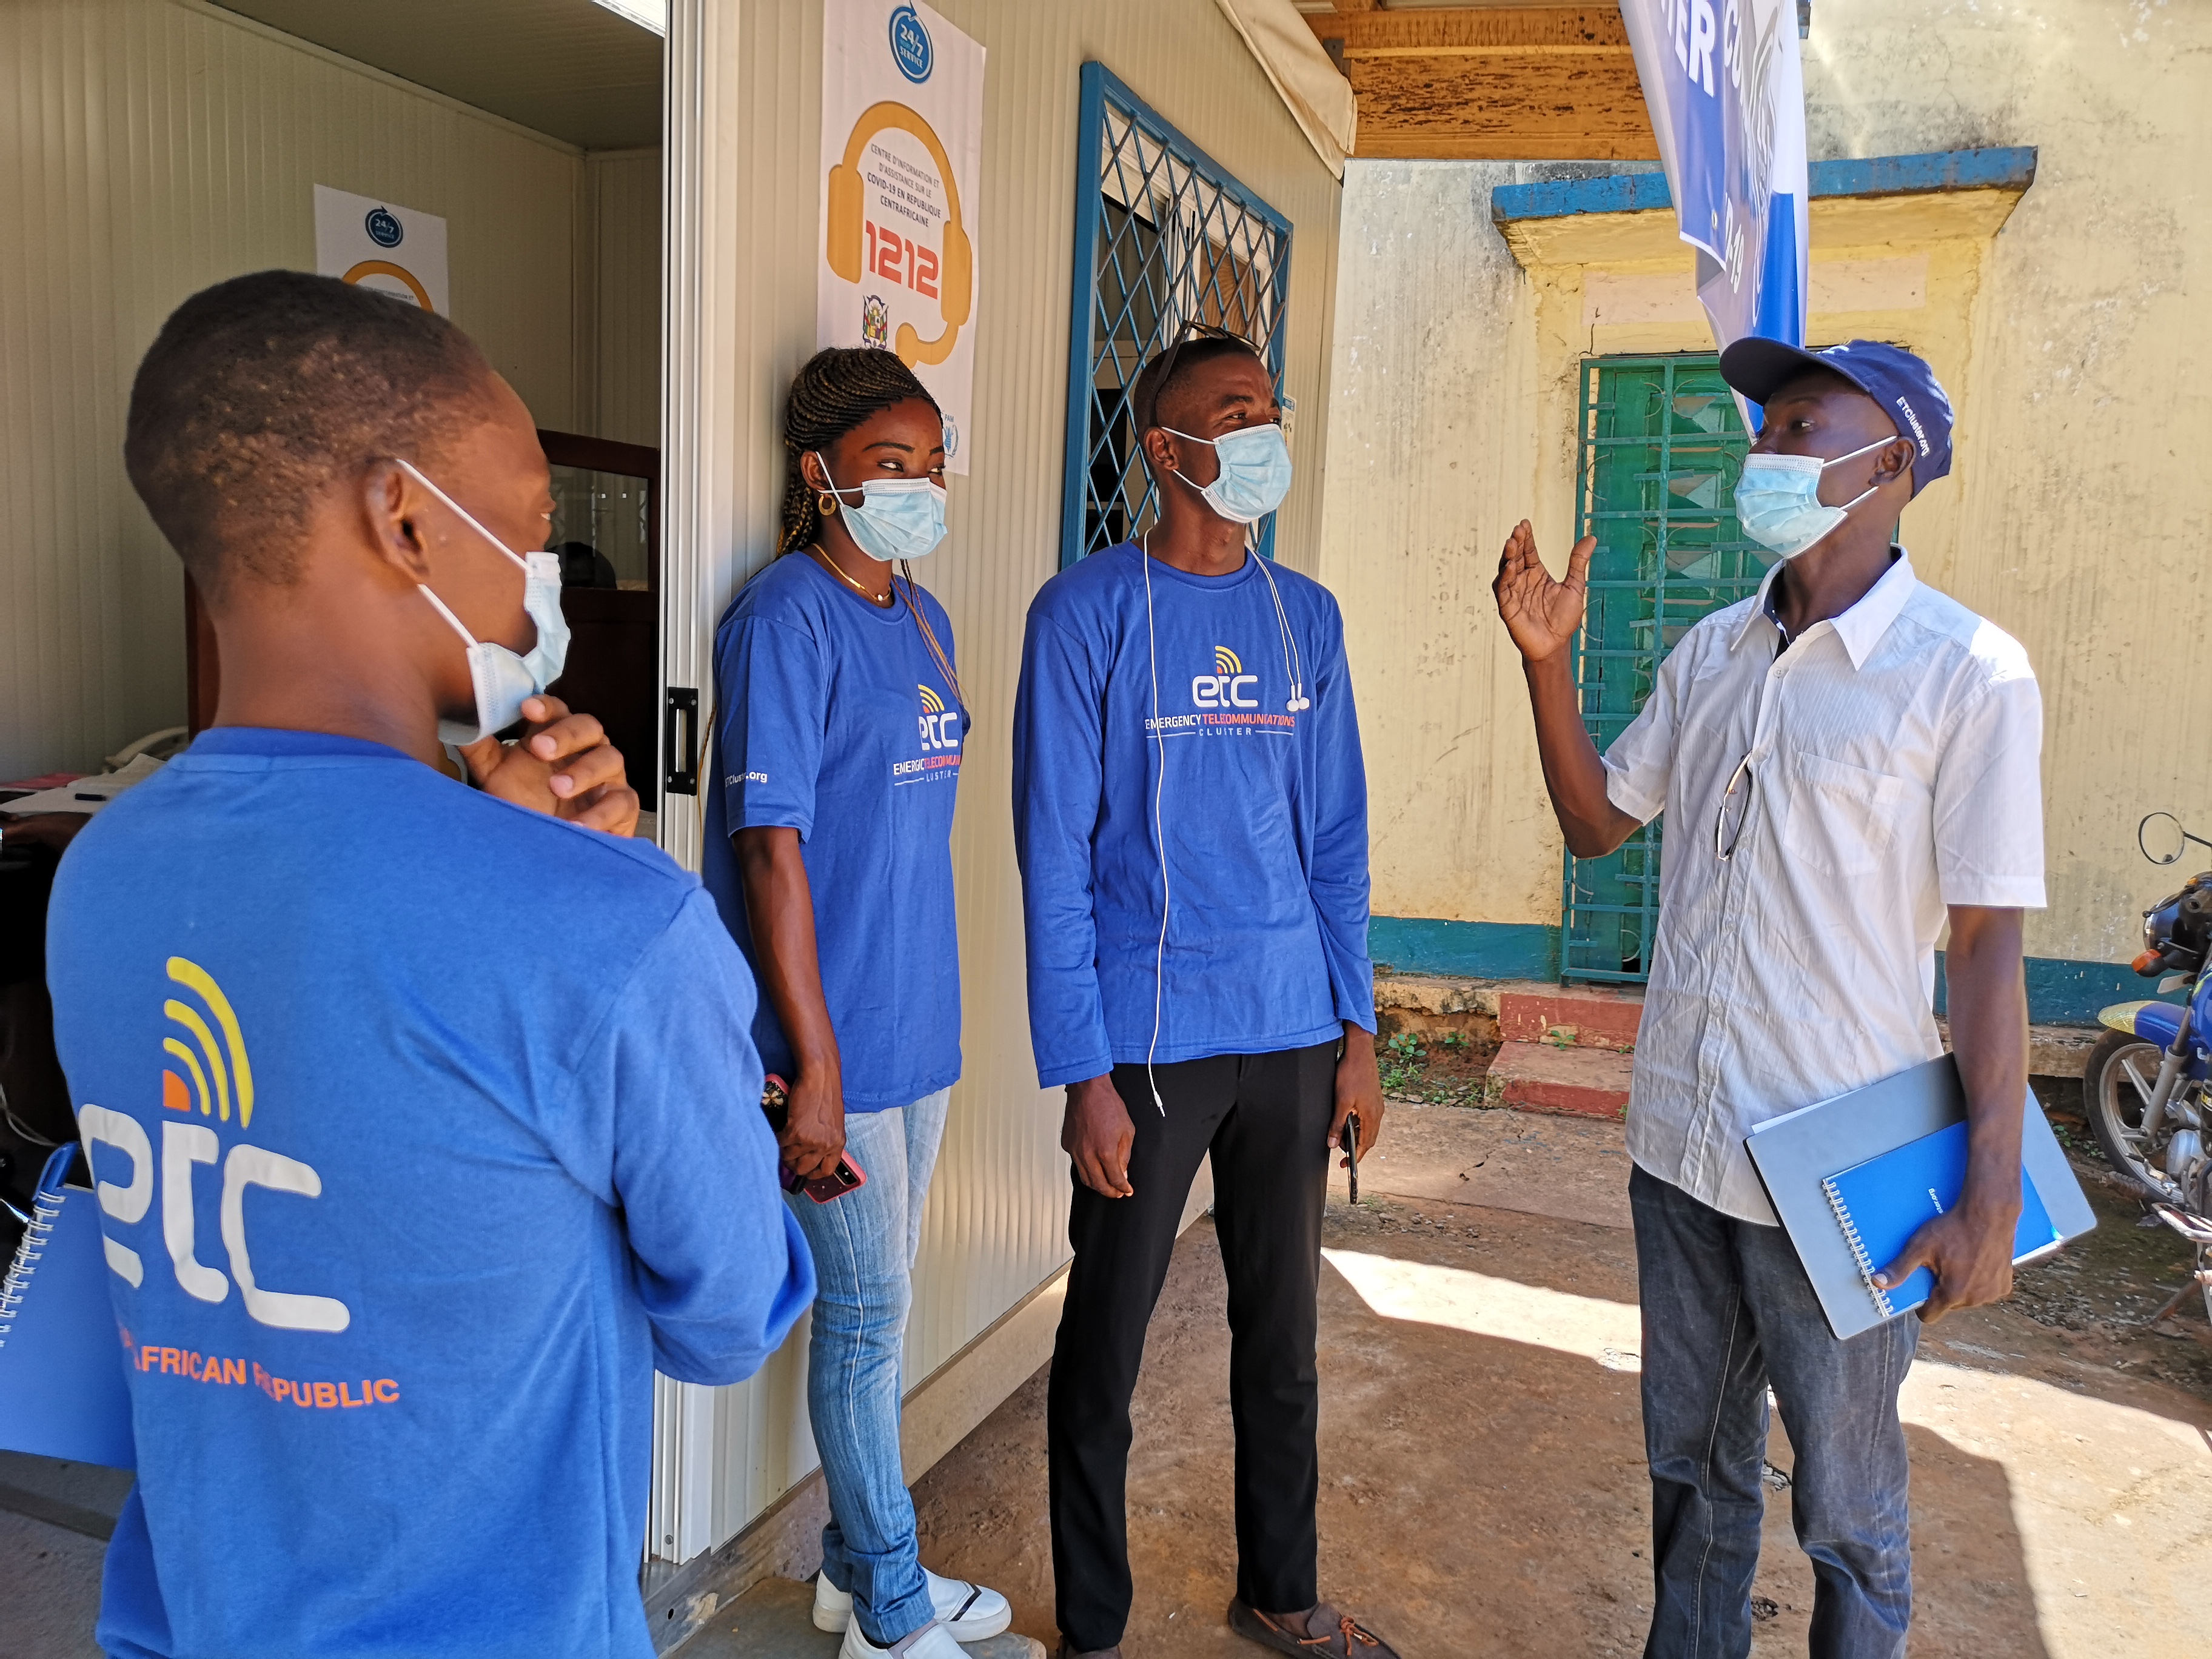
[(901, 150)]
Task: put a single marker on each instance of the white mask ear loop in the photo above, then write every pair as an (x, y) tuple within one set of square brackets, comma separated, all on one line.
[(466, 518), (467, 638), (1879, 443), (1293, 660), (1159, 832)]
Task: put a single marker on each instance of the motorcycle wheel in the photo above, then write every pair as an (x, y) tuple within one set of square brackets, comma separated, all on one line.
[(2116, 1086)]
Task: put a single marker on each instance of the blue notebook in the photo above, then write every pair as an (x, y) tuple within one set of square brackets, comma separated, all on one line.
[(62, 1393), (1882, 1203), (1851, 1178)]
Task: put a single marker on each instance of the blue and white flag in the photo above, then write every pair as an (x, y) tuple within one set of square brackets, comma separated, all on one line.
[(1726, 95)]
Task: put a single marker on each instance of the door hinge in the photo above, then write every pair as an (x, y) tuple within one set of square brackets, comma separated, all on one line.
[(679, 742)]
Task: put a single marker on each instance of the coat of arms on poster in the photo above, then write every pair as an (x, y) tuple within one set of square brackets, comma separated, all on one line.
[(901, 154), (381, 246)]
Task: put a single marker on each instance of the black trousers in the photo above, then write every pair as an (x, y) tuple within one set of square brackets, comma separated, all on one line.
[(1265, 1119)]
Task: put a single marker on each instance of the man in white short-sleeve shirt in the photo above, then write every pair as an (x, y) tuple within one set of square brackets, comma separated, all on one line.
[(1847, 762)]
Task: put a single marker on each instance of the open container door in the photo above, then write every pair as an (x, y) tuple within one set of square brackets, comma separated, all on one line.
[(721, 1456)]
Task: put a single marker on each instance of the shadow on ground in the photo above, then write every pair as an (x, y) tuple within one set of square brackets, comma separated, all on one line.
[(1478, 1495)]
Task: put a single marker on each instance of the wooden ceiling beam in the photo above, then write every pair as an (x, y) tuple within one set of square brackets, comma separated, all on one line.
[(1474, 28), (1493, 83)]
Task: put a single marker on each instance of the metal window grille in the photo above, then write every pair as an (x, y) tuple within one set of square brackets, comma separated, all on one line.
[(1661, 444), (1164, 236)]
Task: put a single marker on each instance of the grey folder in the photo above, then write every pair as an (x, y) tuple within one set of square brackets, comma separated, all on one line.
[(1795, 1154)]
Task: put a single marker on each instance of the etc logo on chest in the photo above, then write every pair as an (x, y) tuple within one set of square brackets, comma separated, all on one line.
[(1228, 687), (940, 727), (940, 743)]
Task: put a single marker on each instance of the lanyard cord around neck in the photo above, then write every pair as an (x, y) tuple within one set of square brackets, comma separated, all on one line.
[(929, 637)]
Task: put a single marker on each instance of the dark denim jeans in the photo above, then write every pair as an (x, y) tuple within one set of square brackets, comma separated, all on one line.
[(1728, 1311)]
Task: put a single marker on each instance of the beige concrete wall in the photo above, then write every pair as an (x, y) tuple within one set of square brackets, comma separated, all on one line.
[(2076, 515)]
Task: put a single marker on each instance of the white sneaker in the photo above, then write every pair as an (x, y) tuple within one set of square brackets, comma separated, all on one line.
[(970, 1612), (932, 1641)]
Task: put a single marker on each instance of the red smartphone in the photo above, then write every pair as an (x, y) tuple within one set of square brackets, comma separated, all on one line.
[(847, 1177)]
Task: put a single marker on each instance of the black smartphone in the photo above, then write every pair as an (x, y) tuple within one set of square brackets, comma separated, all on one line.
[(1349, 1139), (847, 1177)]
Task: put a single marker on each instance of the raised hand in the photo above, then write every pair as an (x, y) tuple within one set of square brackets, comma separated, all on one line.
[(1540, 614)]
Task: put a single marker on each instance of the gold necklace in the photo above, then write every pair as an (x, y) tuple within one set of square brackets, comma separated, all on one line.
[(881, 602)]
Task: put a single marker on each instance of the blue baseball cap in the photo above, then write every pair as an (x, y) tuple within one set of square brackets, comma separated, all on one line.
[(1905, 387)]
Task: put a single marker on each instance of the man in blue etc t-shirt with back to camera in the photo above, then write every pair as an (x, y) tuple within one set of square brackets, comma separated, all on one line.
[(426, 1126), (1190, 812)]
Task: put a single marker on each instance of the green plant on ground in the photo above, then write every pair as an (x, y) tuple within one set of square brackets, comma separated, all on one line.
[(1454, 1042), (1402, 1060)]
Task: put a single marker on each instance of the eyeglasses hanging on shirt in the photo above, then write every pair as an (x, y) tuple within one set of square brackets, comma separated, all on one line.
[(1725, 835)]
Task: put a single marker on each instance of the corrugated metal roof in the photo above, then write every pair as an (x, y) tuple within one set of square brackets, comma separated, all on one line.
[(570, 68)]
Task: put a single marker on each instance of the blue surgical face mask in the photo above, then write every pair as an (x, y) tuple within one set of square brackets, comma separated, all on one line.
[(1255, 472), (1778, 499), (504, 679), (896, 518)]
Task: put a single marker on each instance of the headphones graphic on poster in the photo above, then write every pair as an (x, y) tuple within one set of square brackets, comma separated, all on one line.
[(901, 147)]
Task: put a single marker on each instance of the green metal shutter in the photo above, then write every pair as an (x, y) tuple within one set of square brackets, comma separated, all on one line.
[(1661, 444)]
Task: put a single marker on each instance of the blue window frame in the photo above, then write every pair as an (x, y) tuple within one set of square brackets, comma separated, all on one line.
[(1164, 236)]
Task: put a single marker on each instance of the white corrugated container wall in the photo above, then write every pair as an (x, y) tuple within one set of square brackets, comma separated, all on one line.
[(156, 146), (620, 252), (744, 95)]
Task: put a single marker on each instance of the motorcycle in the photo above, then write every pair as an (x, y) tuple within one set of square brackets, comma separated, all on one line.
[(2147, 1090)]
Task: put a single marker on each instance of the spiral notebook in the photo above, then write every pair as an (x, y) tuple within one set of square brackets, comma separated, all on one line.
[(1882, 1203), (62, 1388), (1851, 1178)]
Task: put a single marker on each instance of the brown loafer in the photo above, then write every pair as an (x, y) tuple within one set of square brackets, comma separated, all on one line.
[(1325, 1632)]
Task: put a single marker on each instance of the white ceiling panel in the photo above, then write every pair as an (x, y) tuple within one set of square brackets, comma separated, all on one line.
[(574, 70)]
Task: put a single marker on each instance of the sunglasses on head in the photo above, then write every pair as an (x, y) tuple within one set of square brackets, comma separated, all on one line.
[(1193, 330)]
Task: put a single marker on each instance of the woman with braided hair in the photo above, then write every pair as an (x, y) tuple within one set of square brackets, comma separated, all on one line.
[(837, 756)]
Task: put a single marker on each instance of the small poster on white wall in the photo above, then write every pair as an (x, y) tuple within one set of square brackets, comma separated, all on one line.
[(902, 155), (382, 246)]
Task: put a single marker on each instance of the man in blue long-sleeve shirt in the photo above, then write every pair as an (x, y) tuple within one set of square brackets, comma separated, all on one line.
[(453, 1106), (1191, 817)]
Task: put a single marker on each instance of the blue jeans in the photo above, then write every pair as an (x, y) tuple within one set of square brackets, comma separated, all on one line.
[(1728, 1311), (864, 1246)]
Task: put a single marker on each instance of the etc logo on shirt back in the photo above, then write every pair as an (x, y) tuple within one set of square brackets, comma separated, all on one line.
[(1228, 686), (210, 1077)]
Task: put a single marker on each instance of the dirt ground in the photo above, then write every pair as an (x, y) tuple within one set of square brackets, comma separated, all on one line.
[(1483, 1484), (1483, 1487)]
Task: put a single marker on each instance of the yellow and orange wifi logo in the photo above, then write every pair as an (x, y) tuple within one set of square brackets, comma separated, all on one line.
[(1226, 662), (931, 703), (225, 1067)]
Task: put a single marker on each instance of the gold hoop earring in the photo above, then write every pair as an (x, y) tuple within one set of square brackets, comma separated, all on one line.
[(825, 504)]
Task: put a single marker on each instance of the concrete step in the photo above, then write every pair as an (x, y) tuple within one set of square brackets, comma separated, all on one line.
[(1605, 1017), (1576, 1016), (1543, 1077)]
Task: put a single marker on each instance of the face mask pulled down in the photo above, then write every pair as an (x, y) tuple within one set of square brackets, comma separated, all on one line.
[(1778, 499), (503, 680), (1255, 472)]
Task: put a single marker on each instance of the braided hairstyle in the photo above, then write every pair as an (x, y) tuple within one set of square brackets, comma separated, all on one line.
[(837, 389)]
